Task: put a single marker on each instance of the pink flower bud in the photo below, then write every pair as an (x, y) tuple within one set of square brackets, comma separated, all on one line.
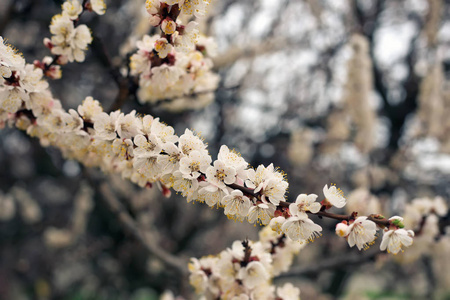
[(342, 229)]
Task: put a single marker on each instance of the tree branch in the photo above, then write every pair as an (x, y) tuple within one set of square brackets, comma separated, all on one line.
[(143, 237), (332, 263)]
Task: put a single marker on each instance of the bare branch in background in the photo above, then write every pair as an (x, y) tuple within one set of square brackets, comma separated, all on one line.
[(332, 264), (147, 239)]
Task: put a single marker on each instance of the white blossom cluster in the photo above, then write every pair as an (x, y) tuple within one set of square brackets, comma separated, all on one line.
[(69, 41), (245, 271), (140, 148), (422, 215), (157, 9), (176, 63), (147, 151), (20, 80), (295, 222), (362, 232)]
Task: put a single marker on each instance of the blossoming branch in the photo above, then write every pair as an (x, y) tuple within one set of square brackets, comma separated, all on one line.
[(147, 151)]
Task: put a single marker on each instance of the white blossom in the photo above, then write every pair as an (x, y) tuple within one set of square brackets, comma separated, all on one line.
[(394, 240), (98, 6), (209, 44), (147, 147), (10, 60), (166, 73), (361, 233), (25, 80), (194, 7), (236, 204), (73, 123), (303, 204), (198, 278), (163, 47), (163, 76), (276, 224), (194, 163), (162, 131), (288, 292), (171, 160), (153, 7), (274, 190), (334, 195), (261, 213), (147, 166), (232, 159), (67, 40), (89, 108), (300, 228), (210, 194), (187, 187), (189, 142), (105, 125), (140, 62), (72, 9), (123, 148), (220, 174), (253, 274), (127, 126), (256, 178), (186, 40), (10, 100)]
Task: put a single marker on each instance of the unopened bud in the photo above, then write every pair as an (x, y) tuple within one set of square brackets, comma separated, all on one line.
[(342, 229), (48, 43)]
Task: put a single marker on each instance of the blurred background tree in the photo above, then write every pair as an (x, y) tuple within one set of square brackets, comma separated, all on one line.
[(351, 92)]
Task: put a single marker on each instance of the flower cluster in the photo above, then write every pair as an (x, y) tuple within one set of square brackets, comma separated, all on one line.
[(147, 151), (69, 41), (294, 221), (362, 232), (245, 271), (422, 215), (176, 63), (20, 80), (167, 10)]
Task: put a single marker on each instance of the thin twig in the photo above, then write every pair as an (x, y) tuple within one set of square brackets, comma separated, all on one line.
[(376, 218), (99, 49), (129, 223), (332, 263)]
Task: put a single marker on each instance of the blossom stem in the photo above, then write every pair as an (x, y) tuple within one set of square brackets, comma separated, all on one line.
[(376, 218), (247, 253), (243, 189)]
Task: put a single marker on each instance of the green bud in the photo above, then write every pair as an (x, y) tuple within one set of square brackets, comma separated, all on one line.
[(398, 223)]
